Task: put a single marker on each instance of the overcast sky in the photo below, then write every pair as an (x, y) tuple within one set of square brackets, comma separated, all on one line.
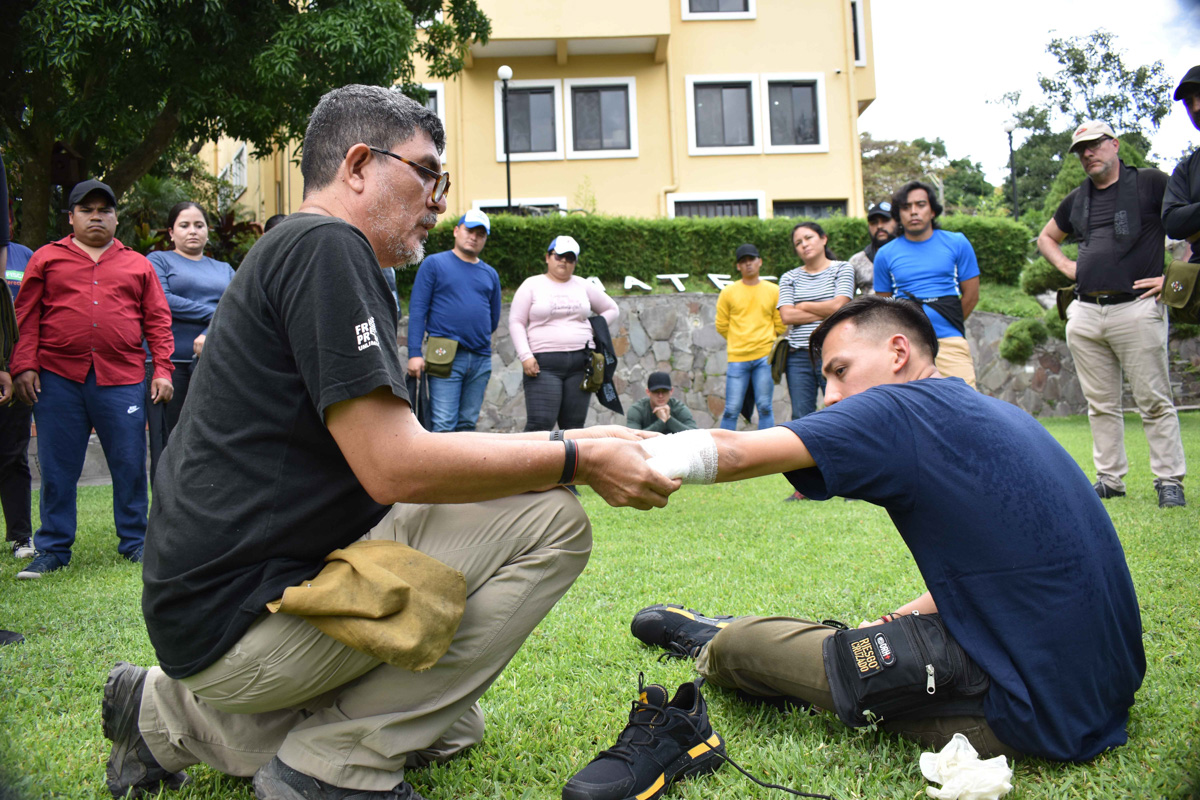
[(938, 63)]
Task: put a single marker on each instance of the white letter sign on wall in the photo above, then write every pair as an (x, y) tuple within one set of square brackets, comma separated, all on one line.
[(674, 278), (720, 281), (597, 282), (631, 282)]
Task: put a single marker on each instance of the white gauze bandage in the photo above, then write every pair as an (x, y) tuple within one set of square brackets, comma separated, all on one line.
[(690, 455)]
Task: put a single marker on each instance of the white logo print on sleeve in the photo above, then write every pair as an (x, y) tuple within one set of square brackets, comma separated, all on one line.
[(366, 334)]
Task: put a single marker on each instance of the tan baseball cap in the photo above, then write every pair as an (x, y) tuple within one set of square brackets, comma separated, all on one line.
[(1090, 131)]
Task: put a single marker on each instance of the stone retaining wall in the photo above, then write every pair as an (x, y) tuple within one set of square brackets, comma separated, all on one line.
[(676, 333)]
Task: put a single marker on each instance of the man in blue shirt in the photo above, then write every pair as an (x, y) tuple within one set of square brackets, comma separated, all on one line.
[(1018, 554), (457, 296), (936, 268)]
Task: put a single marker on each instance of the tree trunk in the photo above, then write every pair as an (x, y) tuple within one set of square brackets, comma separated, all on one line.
[(35, 187), (143, 157)]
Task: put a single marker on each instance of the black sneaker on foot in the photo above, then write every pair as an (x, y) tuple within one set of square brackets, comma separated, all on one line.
[(1104, 491), (1170, 495), (662, 743), (40, 566), (23, 548), (275, 780), (681, 631), (132, 769), (10, 637)]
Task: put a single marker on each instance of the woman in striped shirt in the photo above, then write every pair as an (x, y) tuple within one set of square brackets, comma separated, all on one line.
[(807, 295)]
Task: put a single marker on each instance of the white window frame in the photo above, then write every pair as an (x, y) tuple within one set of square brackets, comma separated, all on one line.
[(439, 89), (559, 152), (822, 145), (856, 8), (561, 202), (750, 78), (569, 84), (708, 197), (687, 15)]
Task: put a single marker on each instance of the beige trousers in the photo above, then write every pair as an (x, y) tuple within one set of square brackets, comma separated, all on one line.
[(1131, 338), (339, 715), (954, 359), (772, 656)]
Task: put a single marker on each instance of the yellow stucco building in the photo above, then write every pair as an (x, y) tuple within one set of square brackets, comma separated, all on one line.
[(643, 108)]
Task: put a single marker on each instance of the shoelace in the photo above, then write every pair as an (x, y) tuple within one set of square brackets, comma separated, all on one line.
[(623, 749)]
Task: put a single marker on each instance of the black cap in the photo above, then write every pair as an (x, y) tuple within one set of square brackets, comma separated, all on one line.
[(747, 250), (658, 380), (883, 209), (82, 190), (1192, 77)]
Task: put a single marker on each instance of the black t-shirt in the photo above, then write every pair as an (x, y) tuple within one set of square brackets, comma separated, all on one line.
[(1101, 265), (252, 491)]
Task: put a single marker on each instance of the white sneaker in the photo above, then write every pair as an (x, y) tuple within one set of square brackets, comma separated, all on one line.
[(23, 549)]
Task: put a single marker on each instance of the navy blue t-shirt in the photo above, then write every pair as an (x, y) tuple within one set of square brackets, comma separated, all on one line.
[(1012, 542)]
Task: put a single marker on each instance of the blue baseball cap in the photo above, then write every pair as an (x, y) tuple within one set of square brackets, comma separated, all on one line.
[(476, 219)]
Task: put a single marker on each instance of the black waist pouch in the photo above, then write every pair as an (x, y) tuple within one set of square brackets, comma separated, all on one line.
[(910, 667)]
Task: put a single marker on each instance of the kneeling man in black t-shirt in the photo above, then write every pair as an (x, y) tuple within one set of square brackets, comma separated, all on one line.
[(298, 441), (1023, 566)]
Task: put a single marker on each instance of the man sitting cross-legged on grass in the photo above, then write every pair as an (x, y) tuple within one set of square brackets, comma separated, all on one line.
[(1023, 566), (295, 443)]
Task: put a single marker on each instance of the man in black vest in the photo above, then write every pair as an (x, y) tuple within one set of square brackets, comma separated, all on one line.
[(1118, 325)]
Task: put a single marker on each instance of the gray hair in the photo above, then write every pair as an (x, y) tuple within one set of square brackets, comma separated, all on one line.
[(373, 115)]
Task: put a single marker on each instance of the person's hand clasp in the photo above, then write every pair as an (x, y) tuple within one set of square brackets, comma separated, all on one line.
[(618, 471), (663, 413)]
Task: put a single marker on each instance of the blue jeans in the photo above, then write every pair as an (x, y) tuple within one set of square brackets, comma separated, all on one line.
[(739, 376), (66, 413), (803, 379), (455, 401)]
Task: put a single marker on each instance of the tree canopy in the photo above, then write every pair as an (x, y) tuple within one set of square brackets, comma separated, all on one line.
[(888, 164), (92, 88)]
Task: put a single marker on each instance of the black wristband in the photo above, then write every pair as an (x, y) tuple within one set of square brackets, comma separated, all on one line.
[(570, 462), (558, 435)]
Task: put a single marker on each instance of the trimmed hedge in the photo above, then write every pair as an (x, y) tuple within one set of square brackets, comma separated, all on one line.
[(1042, 276), (613, 247), (1020, 339)]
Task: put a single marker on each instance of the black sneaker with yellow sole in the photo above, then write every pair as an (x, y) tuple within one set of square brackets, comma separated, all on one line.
[(663, 742), (682, 632)]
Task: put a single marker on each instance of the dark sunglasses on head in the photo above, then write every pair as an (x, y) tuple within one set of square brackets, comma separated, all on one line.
[(567, 257)]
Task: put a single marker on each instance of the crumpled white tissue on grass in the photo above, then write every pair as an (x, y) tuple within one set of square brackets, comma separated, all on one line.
[(962, 775)]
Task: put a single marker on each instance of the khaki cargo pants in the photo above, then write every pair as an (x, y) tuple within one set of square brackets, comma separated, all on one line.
[(339, 715)]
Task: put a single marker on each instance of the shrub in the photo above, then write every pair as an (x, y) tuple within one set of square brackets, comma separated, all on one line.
[(1020, 339), (1042, 276), (1055, 325), (613, 247), (1000, 244)]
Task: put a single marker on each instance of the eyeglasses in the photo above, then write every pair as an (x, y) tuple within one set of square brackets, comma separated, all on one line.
[(567, 257), (1085, 147), (441, 180)]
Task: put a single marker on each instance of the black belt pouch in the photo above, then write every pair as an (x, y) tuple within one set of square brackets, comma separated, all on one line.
[(910, 667)]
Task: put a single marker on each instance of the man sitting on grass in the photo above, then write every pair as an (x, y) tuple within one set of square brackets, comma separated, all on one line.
[(1021, 561)]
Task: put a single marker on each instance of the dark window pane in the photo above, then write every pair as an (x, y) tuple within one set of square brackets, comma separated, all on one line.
[(809, 209), (708, 6), (432, 102), (586, 119), (717, 208), (793, 113), (531, 120), (601, 118), (738, 128), (614, 118), (723, 115), (854, 22)]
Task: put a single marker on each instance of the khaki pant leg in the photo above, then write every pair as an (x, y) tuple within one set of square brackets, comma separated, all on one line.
[(770, 656), (1137, 333), (334, 713), (954, 359), (1099, 373)]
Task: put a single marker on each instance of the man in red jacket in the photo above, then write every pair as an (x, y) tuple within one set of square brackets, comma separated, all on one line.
[(85, 305)]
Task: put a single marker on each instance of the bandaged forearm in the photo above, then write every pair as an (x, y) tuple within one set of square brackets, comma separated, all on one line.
[(689, 455)]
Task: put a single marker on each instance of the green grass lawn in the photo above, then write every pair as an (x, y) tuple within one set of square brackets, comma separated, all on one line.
[(729, 549)]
